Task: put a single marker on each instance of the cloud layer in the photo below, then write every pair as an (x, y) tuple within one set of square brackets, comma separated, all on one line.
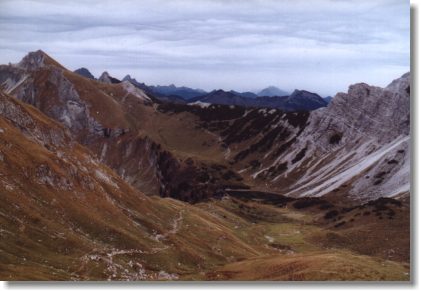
[(319, 45)]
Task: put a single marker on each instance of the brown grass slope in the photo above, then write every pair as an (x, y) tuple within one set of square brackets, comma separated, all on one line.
[(66, 216), (113, 118)]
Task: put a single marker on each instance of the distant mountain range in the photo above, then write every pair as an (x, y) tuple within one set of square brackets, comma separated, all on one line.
[(270, 97), (184, 92), (299, 100)]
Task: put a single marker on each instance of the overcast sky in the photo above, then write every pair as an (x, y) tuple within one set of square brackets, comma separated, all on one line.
[(318, 45)]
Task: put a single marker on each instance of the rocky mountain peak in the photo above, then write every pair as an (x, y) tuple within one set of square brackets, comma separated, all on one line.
[(35, 60), (401, 84), (128, 78), (272, 91), (304, 94), (107, 79), (365, 112), (85, 73)]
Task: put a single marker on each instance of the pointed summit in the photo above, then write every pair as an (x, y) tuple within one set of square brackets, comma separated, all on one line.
[(106, 78), (84, 72), (38, 59), (128, 78), (272, 91)]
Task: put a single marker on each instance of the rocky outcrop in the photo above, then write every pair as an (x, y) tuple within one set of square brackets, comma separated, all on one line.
[(357, 146), (107, 79), (45, 134), (65, 105), (84, 72), (33, 61), (365, 112)]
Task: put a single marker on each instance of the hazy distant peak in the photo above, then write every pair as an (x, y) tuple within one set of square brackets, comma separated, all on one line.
[(84, 72), (272, 91)]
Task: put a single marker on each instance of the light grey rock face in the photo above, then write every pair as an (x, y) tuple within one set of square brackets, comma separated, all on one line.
[(33, 61), (20, 118), (67, 107), (71, 110), (10, 77), (359, 142), (364, 113), (105, 78)]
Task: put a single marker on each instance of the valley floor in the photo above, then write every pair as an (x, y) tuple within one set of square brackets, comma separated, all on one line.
[(298, 240)]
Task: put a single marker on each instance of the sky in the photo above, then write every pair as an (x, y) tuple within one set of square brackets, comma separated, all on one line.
[(320, 45)]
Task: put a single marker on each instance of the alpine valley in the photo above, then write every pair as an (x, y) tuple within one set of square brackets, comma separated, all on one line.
[(102, 179)]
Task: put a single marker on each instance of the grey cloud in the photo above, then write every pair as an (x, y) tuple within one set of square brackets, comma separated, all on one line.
[(323, 46)]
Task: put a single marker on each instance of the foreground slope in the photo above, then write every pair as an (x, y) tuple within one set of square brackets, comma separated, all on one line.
[(66, 216)]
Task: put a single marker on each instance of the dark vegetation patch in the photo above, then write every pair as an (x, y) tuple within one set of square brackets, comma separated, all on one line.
[(380, 175), (331, 214), (299, 156), (380, 207), (254, 164), (309, 202), (340, 224), (382, 203), (297, 119), (248, 126), (283, 147), (274, 170), (392, 162), (265, 143), (335, 138), (326, 206), (192, 181), (211, 113)]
